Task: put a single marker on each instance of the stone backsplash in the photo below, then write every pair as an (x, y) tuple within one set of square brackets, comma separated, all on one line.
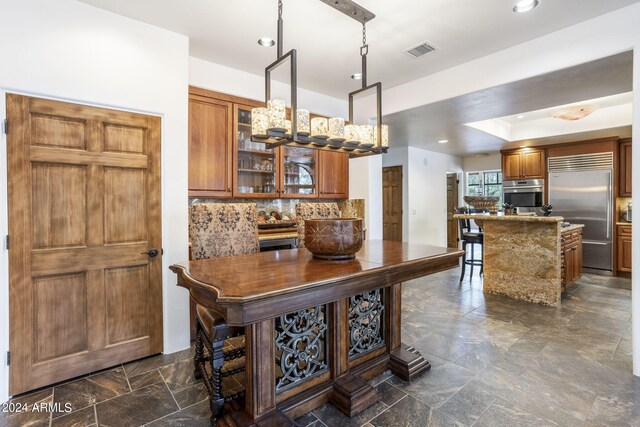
[(349, 208)]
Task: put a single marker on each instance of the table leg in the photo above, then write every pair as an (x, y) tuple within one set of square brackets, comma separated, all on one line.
[(404, 361), (351, 394), (260, 369)]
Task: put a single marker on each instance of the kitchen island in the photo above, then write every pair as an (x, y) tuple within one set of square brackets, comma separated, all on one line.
[(315, 330), (522, 256)]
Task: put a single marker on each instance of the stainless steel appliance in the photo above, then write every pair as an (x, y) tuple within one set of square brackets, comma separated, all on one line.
[(527, 196), (581, 191)]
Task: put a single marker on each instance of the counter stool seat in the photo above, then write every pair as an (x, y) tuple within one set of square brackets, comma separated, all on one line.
[(468, 237), (219, 230), (211, 333)]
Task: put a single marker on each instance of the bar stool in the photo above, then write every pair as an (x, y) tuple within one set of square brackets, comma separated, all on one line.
[(218, 230), (468, 237)]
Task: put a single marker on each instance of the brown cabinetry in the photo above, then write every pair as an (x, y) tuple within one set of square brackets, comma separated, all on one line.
[(524, 163), (210, 146), (333, 175), (624, 168), (624, 248), (224, 162), (570, 256)]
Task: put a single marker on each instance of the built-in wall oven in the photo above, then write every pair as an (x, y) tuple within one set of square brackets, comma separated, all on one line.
[(527, 196)]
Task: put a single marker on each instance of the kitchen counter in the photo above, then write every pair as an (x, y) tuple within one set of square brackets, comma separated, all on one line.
[(571, 227), (521, 256)]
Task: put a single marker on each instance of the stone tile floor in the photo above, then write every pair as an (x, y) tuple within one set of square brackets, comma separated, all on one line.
[(495, 362)]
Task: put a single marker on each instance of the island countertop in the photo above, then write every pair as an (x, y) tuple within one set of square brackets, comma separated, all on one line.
[(502, 217), (522, 255)]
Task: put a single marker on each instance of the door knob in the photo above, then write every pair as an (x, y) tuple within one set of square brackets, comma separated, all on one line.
[(151, 252)]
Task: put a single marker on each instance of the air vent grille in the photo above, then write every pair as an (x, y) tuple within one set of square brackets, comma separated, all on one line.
[(581, 162), (421, 49)]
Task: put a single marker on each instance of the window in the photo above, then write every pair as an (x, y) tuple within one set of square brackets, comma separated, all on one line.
[(485, 183)]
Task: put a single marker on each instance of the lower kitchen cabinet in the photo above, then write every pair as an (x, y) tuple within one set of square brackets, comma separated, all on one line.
[(624, 248), (571, 256)]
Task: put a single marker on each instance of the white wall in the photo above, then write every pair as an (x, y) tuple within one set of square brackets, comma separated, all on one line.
[(635, 285), (365, 182), (219, 78), (428, 195), (71, 51), (482, 163), (424, 188)]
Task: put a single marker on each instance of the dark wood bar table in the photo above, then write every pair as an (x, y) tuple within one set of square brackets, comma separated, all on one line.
[(316, 330)]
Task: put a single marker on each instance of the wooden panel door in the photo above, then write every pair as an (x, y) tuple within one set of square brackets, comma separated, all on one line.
[(392, 203), (452, 202), (533, 164), (333, 175), (210, 147), (511, 168), (84, 207)]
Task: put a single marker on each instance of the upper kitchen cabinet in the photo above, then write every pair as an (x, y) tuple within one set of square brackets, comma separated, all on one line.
[(257, 167), (624, 168), (299, 178), (224, 162), (524, 163), (210, 146), (333, 175)]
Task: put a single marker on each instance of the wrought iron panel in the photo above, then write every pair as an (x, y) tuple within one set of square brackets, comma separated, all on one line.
[(366, 322), (301, 346)]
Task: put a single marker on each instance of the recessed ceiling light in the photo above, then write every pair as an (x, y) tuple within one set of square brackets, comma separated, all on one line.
[(356, 76), (525, 6), (443, 141), (523, 146), (520, 116), (266, 41)]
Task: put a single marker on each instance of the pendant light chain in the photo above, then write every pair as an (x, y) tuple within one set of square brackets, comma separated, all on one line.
[(279, 9), (364, 50)]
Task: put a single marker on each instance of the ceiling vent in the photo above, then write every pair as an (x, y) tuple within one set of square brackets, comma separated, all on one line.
[(421, 49)]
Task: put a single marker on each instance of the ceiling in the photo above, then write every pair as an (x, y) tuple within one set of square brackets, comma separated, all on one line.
[(226, 32), (423, 126)]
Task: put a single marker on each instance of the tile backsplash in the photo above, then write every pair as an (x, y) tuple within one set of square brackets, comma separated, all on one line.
[(351, 207)]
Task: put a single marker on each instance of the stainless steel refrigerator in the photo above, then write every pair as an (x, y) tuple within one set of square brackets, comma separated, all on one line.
[(581, 191)]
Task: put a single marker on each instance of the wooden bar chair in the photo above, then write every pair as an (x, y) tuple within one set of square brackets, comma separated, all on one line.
[(219, 230), (314, 211), (469, 237)]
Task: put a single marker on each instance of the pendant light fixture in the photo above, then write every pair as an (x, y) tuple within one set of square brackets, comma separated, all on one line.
[(274, 127)]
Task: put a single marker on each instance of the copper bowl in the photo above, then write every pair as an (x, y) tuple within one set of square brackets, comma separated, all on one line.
[(336, 238)]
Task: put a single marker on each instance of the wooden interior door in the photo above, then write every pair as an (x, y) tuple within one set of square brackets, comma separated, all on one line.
[(84, 208), (452, 202), (392, 203)]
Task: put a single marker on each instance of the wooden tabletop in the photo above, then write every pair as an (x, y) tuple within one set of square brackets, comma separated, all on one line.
[(258, 286)]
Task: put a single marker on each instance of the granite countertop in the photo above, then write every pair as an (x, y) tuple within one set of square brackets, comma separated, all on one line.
[(571, 227), (501, 217)]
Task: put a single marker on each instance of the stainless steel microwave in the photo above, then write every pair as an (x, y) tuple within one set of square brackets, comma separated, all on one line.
[(527, 196)]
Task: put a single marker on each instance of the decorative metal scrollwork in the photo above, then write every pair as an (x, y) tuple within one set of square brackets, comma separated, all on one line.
[(366, 322), (301, 350)]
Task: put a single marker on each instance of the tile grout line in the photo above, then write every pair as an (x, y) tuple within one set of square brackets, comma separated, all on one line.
[(170, 392)]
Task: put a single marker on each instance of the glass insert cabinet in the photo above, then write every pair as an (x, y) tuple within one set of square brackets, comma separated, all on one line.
[(287, 172)]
